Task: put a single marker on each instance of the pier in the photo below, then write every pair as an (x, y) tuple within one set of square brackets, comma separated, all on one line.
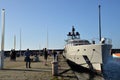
[(16, 70)]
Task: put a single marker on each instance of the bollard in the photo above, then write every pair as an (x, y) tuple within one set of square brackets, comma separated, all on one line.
[(54, 68)]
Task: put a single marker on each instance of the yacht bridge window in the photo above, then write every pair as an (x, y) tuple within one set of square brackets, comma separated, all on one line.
[(79, 42)]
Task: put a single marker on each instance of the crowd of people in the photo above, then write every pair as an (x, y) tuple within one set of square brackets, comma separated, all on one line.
[(28, 55)]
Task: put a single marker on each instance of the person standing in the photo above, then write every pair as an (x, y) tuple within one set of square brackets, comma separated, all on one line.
[(13, 55), (27, 59), (45, 55)]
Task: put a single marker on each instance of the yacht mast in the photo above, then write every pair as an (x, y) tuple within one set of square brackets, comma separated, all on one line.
[(99, 22)]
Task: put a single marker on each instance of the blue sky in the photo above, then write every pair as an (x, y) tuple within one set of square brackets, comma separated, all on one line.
[(35, 17)]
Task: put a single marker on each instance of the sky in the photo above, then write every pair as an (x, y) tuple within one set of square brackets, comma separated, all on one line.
[(47, 22)]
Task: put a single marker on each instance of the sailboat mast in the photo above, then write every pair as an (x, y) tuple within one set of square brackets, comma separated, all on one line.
[(39, 47), (47, 39), (99, 22), (20, 41), (14, 41)]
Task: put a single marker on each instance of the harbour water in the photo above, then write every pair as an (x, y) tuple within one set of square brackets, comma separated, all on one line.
[(111, 70)]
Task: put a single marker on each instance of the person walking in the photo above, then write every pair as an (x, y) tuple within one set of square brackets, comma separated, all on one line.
[(27, 59), (45, 55)]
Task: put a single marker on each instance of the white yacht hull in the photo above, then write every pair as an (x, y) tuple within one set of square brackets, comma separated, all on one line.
[(96, 54)]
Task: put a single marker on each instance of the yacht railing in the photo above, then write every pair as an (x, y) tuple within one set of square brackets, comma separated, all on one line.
[(106, 41), (103, 41)]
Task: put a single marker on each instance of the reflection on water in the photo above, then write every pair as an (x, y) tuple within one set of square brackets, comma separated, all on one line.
[(111, 70)]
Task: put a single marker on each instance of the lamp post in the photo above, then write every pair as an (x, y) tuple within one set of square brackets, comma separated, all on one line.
[(2, 40)]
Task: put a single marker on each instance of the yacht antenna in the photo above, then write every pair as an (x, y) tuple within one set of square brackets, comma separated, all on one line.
[(73, 32), (99, 22)]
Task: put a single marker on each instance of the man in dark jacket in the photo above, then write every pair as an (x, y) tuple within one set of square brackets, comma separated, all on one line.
[(45, 55), (27, 58)]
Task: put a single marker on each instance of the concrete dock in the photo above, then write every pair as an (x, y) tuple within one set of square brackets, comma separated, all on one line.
[(16, 70)]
